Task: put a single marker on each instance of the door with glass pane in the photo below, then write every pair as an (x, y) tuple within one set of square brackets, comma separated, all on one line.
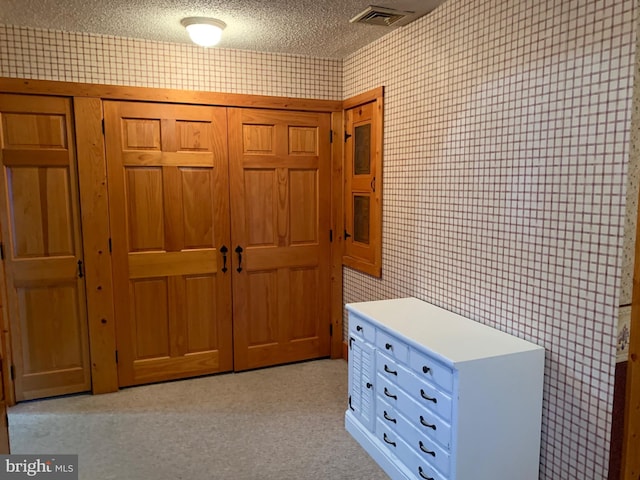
[(362, 188)]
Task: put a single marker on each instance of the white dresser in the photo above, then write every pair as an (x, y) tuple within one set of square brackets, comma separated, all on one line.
[(436, 396)]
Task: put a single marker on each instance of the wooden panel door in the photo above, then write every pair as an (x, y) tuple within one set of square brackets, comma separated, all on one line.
[(281, 206), (43, 249), (168, 196)]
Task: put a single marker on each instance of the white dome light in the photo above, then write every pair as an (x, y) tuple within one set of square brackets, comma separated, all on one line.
[(206, 32)]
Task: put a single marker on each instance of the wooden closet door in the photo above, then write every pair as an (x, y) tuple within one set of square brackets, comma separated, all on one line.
[(169, 209), (280, 203), (43, 249)]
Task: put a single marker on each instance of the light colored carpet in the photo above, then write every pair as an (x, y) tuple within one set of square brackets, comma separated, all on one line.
[(280, 423)]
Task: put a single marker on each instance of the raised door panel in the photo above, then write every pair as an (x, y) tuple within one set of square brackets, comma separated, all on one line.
[(280, 198), (41, 227), (168, 187)]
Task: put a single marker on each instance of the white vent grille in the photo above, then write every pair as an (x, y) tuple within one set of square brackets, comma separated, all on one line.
[(382, 16)]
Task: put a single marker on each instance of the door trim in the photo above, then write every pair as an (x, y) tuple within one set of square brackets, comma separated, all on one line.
[(165, 95), (96, 234)]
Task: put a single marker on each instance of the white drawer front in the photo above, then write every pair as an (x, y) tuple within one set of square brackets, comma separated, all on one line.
[(431, 369), (427, 395), (428, 423), (423, 470), (388, 436), (395, 444), (392, 346), (361, 328), (388, 368), (428, 450)]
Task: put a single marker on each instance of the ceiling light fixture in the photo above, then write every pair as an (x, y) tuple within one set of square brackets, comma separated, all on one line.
[(204, 31)]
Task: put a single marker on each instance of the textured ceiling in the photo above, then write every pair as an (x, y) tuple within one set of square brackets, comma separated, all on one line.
[(317, 28)]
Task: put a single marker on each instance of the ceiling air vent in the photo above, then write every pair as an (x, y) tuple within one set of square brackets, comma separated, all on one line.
[(385, 17)]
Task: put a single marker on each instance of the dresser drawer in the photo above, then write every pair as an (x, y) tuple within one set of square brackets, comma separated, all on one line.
[(399, 398), (392, 346), (389, 368), (426, 424), (408, 381), (427, 395), (362, 328), (422, 469), (430, 369), (396, 445), (389, 437), (428, 450)]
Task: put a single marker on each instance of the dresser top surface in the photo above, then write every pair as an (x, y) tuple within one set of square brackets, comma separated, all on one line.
[(453, 337)]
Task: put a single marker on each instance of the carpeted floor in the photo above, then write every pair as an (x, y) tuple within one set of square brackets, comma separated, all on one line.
[(280, 423)]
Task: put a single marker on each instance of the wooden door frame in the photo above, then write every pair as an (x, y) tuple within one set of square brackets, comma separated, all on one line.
[(88, 117)]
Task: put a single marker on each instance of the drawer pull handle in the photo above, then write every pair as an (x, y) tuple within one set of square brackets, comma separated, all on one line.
[(386, 439), (425, 369), (421, 472), (387, 417), (369, 385), (389, 394), (427, 397), (422, 447), (428, 425), (388, 346), (388, 370), (359, 328)]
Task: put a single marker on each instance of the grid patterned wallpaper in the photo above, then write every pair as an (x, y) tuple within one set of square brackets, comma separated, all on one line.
[(75, 57), (506, 142), (507, 130)]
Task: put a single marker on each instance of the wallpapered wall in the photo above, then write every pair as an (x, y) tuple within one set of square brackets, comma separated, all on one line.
[(506, 149), (75, 57), (507, 129)]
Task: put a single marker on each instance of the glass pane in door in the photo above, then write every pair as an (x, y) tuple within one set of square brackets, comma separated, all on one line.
[(361, 218), (362, 156)]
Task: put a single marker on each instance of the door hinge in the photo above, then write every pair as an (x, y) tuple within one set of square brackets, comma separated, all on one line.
[(331, 235), (331, 329), (103, 126), (110, 246), (330, 136), (13, 372), (1, 251), (116, 356)]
